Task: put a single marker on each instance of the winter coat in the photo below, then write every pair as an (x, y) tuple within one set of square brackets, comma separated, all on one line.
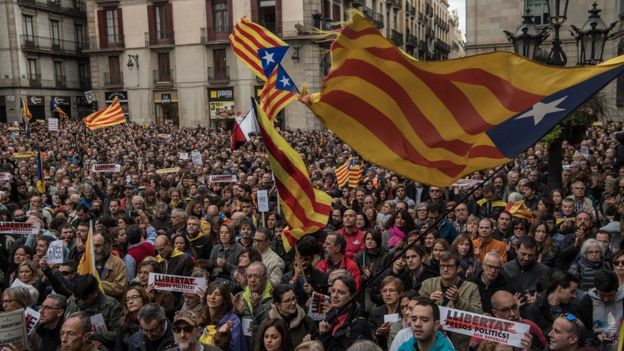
[(526, 279), (113, 318), (138, 341), (355, 327), (300, 325), (585, 270), (604, 317)]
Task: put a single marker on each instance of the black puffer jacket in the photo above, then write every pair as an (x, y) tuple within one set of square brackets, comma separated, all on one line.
[(356, 327), (585, 270)]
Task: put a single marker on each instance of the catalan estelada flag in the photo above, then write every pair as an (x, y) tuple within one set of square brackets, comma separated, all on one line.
[(26, 114), (349, 173), (520, 210), (437, 121), (55, 108), (247, 39), (110, 116), (278, 91), (306, 209), (87, 261), (40, 182)]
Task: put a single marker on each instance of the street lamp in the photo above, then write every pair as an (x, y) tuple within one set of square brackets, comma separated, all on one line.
[(591, 38), (557, 13), (527, 37)]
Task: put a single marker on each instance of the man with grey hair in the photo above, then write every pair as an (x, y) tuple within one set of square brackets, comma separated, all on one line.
[(178, 220), (76, 333), (491, 279), (253, 303), (156, 333), (48, 329)]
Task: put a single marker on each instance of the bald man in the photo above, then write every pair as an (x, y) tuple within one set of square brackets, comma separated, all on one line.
[(172, 261)]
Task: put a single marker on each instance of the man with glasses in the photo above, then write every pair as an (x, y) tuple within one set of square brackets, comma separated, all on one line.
[(491, 279), (581, 202), (568, 334), (48, 329), (273, 263), (156, 333), (450, 290), (253, 303)]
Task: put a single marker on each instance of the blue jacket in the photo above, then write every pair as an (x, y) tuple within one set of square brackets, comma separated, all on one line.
[(442, 343)]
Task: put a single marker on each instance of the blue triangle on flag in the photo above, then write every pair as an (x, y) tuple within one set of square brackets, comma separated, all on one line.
[(284, 82), (271, 57)]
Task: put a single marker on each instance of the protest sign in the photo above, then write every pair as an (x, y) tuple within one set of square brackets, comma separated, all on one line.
[(176, 283), (97, 323), (32, 318), (4, 176), (196, 157), (222, 178), (184, 156), (106, 168), (19, 228), (168, 170), (466, 183), (391, 318), (165, 136), (55, 252), (247, 325), (13, 128), (23, 154), (483, 327), (263, 200), (315, 310), (53, 124), (13, 330)]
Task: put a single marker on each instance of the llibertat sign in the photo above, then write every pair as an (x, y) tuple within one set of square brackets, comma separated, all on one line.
[(483, 327), (176, 283), (222, 178), (106, 168), (19, 228)]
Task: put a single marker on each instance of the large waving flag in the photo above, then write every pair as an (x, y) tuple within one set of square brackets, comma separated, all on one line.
[(248, 38), (40, 182), (87, 261), (437, 121), (55, 108), (243, 129), (348, 173), (109, 116), (26, 114), (278, 91), (306, 209)]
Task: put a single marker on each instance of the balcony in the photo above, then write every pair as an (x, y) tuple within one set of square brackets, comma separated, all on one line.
[(34, 80), (422, 46), (163, 78), (394, 3), (274, 27), (411, 9), (52, 46), (411, 40), (114, 42), (74, 8), (159, 39), (210, 35), (60, 82), (378, 19), (218, 76), (84, 83), (114, 80), (396, 37)]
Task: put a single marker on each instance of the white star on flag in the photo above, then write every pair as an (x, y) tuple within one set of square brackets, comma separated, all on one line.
[(540, 110), (268, 57), (285, 81)]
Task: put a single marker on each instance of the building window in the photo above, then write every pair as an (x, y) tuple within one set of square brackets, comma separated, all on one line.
[(220, 62), (113, 69), (112, 26), (164, 67), (83, 75), (55, 33), (220, 14), (32, 69), (28, 28), (538, 9), (80, 36), (267, 14), (58, 71), (162, 32)]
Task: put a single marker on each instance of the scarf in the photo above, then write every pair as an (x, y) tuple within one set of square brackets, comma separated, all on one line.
[(265, 294), (199, 235), (208, 336), (396, 236), (174, 253)]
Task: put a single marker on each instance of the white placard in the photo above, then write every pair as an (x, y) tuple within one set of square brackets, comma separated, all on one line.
[(106, 168), (222, 178), (466, 183), (247, 326), (19, 228), (5, 177), (176, 283), (196, 157), (315, 310), (184, 156), (13, 330), (55, 252), (32, 317), (263, 200), (97, 323), (53, 124), (483, 327), (391, 318)]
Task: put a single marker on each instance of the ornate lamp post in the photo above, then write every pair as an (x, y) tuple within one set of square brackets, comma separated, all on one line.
[(557, 12), (527, 37), (591, 38)]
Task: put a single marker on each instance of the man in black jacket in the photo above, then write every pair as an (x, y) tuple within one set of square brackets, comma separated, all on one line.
[(156, 333), (491, 279), (417, 271), (526, 275), (52, 311), (201, 242)]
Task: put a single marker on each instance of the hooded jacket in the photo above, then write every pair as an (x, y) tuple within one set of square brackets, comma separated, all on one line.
[(300, 325), (603, 316)]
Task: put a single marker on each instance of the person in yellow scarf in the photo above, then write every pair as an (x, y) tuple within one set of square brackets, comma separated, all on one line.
[(171, 260), (253, 303)]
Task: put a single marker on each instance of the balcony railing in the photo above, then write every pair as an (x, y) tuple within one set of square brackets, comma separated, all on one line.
[(411, 40), (60, 82), (164, 77), (66, 7), (52, 45), (208, 35), (218, 75), (396, 37), (411, 9), (273, 26), (159, 38), (34, 80), (113, 42), (378, 19), (395, 3), (113, 80)]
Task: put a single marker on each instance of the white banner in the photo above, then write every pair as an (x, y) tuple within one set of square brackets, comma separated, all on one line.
[(176, 283), (55, 252), (168, 170), (466, 183), (19, 228), (13, 329), (483, 327), (222, 178), (53, 124), (184, 156), (315, 311), (106, 168), (263, 200), (196, 157)]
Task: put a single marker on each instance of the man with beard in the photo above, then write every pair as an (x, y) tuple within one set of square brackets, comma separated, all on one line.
[(186, 332), (335, 247), (525, 274), (425, 324), (352, 234), (112, 269)]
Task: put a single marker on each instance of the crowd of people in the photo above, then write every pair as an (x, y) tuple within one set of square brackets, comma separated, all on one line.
[(393, 252)]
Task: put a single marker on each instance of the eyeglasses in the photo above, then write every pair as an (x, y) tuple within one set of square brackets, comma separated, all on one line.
[(490, 267), (290, 301), (133, 298), (153, 331), (49, 308), (187, 329)]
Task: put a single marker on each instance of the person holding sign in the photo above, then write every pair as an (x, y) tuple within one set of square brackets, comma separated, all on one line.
[(425, 324)]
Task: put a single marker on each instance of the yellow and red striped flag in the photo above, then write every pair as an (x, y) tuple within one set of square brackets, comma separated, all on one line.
[(26, 114), (87, 261), (436, 121), (247, 38), (278, 91), (110, 116), (349, 173), (520, 210), (355, 176), (306, 209)]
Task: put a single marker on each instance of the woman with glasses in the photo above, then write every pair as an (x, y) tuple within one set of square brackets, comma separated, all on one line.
[(222, 328), (136, 297), (617, 262), (422, 215), (588, 262), (284, 306)]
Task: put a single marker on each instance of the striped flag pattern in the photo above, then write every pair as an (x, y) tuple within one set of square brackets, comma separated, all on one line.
[(247, 38), (56, 108), (520, 210), (306, 209), (87, 261), (110, 116), (355, 176), (26, 114), (273, 99), (349, 173), (437, 121), (40, 182)]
